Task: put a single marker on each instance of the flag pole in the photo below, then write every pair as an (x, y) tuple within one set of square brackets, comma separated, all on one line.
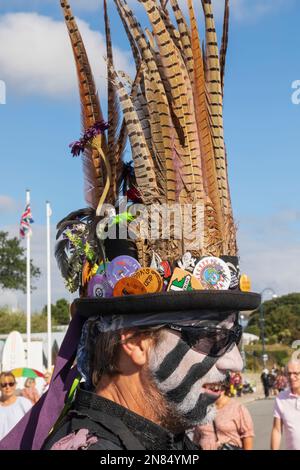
[(48, 214), (28, 288)]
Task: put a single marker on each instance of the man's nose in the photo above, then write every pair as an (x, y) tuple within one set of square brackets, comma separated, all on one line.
[(232, 360)]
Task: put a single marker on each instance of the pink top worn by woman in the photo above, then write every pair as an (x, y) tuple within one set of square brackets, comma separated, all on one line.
[(233, 422)]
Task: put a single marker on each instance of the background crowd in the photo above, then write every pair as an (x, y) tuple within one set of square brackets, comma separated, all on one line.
[(15, 402), (232, 426)]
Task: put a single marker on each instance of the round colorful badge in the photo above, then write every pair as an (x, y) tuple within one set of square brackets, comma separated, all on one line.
[(129, 286), (121, 266), (99, 287), (150, 278), (233, 265), (213, 273), (235, 276)]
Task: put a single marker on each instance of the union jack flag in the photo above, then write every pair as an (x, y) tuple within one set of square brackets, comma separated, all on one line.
[(26, 220)]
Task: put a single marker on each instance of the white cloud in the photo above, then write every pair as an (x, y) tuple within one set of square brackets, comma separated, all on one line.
[(9, 298), (270, 252), (273, 266), (37, 56), (7, 204)]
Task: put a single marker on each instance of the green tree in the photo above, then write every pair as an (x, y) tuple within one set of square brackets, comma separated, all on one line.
[(39, 323), (60, 312), (10, 321), (13, 264), (282, 319), (284, 336)]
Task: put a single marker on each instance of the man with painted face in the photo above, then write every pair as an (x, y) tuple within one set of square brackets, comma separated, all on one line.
[(148, 386), (157, 317)]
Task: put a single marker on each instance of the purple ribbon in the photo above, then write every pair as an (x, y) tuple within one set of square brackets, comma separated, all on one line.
[(31, 432)]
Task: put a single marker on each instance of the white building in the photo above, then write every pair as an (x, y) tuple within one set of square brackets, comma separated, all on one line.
[(37, 339), (248, 338)]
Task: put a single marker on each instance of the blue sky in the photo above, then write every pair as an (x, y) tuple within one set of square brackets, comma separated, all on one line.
[(41, 117)]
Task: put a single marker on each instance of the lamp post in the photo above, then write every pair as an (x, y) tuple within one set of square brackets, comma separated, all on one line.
[(243, 354), (262, 322)]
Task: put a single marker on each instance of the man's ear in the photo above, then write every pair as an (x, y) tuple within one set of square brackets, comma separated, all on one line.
[(136, 347)]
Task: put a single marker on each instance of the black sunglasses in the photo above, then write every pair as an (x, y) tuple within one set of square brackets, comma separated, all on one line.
[(210, 340), (8, 384)]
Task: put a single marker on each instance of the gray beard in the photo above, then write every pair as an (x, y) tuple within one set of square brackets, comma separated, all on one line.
[(159, 409), (167, 414)]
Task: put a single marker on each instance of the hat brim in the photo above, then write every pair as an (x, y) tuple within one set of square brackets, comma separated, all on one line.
[(178, 303)]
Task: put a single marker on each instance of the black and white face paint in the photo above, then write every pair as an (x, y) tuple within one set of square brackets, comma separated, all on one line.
[(179, 373)]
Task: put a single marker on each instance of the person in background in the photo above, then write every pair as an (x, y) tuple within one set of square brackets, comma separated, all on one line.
[(274, 370), (287, 411), (272, 378), (232, 427), (265, 378), (12, 408), (30, 392), (281, 381), (238, 383)]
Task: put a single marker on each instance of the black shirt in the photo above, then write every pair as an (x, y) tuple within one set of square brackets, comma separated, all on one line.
[(116, 427)]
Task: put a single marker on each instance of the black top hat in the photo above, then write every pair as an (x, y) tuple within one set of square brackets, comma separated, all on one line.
[(179, 304)]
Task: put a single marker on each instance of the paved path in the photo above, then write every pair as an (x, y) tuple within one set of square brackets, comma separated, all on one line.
[(262, 415)]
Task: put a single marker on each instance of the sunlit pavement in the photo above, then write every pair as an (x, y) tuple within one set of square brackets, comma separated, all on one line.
[(262, 414)]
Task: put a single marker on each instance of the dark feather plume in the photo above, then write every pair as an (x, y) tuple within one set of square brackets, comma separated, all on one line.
[(62, 258), (78, 216)]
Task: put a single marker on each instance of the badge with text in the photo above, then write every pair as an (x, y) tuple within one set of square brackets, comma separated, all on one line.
[(129, 286), (122, 266), (183, 281), (150, 278), (213, 273)]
